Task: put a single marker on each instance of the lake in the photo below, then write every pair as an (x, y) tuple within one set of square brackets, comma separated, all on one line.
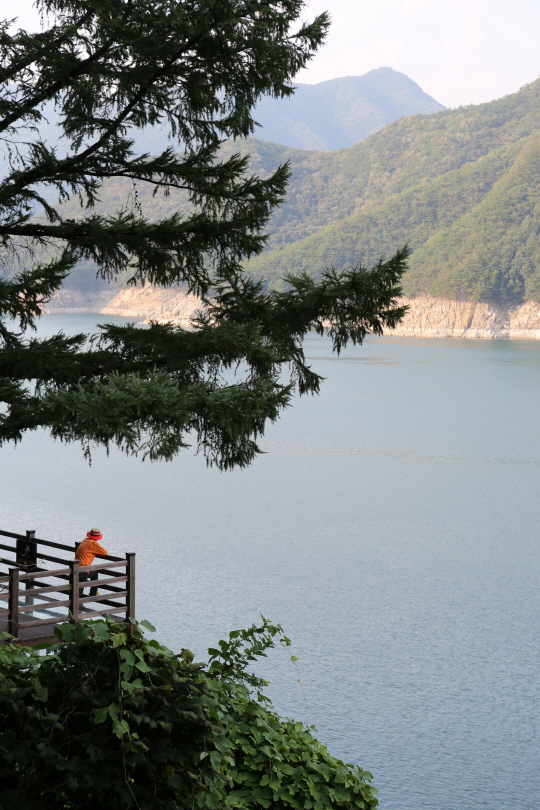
[(392, 527)]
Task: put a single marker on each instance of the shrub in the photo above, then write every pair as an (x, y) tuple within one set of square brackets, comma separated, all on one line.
[(109, 719)]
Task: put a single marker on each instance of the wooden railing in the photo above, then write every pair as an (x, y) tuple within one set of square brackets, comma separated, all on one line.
[(29, 588)]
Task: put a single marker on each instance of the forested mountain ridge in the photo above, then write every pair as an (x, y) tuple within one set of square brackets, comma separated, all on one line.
[(334, 114), (461, 186), (338, 113)]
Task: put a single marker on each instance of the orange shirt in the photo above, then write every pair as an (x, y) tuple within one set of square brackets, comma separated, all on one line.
[(88, 550)]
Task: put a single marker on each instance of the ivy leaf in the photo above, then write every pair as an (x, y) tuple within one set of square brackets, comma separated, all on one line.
[(126, 671), (101, 631), (215, 759), (213, 801), (100, 715), (121, 728), (114, 711), (118, 639), (222, 743)]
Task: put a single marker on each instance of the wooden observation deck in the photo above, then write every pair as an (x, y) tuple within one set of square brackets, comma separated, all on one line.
[(35, 597)]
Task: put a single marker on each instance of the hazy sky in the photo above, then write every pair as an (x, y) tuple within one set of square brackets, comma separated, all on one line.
[(459, 51)]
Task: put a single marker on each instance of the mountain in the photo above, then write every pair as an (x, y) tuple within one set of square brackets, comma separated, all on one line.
[(461, 186), (330, 115), (341, 112)]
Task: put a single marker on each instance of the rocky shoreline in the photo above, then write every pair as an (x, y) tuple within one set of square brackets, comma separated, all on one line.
[(140, 303), (438, 317), (428, 317)]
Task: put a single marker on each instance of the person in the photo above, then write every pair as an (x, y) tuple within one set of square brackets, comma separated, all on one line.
[(85, 554)]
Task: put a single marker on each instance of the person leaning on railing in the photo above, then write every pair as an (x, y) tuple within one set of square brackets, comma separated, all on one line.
[(86, 552)]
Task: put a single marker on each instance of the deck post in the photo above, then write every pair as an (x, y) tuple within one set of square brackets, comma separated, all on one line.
[(130, 587), (29, 584), (74, 589), (13, 617)]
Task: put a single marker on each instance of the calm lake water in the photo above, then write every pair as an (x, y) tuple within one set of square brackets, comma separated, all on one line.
[(392, 528)]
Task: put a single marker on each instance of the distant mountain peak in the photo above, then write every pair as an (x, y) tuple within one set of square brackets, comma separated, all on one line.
[(338, 113)]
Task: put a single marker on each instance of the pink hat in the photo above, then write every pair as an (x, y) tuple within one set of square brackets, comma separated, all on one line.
[(94, 534)]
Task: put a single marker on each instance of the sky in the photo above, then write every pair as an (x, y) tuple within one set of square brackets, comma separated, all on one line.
[(459, 51)]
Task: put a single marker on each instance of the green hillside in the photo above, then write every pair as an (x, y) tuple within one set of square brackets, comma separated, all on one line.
[(493, 252), (461, 186)]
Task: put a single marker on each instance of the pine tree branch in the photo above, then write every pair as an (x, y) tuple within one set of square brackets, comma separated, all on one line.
[(44, 46), (200, 65)]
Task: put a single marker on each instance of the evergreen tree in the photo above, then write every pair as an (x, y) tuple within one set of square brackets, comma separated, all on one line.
[(109, 68)]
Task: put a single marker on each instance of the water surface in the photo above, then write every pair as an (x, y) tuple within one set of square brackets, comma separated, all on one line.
[(392, 528)]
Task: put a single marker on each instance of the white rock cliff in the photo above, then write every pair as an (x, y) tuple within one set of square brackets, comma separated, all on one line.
[(427, 317), (439, 317)]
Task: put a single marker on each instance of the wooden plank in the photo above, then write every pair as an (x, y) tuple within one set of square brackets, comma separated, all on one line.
[(130, 599), (12, 534), (57, 572), (74, 589), (48, 599), (7, 548), (47, 602), (37, 635), (64, 588), (43, 622), (93, 583), (121, 609), (54, 603), (30, 583), (104, 566), (99, 598), (39, 570), (13, 620), (112, 588), (45, 572), (103, 601), (41, 542), (50, 589), (65, 572), (50, 558), (51, 544)]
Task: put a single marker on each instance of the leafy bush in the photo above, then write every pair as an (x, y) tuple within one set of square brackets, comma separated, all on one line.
[(109, 719)]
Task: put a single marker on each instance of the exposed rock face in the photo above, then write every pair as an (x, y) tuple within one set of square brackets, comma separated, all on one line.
[(162, 305), (73, 302), (439, 317), (427, 317), (142, 304)]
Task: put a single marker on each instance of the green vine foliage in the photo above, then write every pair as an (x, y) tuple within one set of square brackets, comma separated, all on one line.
[(106, 718)]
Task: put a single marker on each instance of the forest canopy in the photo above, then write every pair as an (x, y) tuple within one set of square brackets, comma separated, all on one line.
[(461, 187)]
